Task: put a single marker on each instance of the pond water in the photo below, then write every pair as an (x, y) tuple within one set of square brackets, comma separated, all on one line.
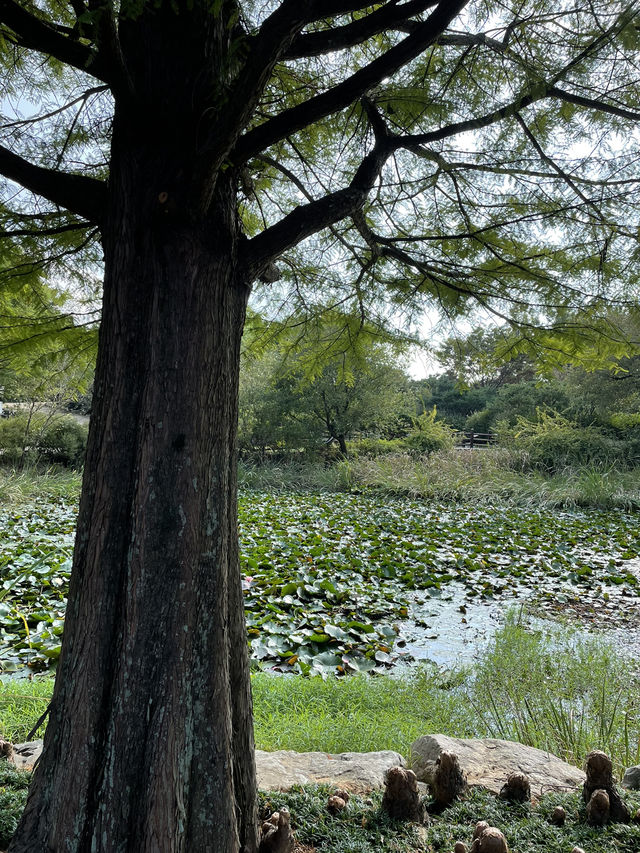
[(343, 582)]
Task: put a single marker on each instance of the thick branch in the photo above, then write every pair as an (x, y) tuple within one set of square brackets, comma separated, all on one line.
[(32, 32), (593, 103), (389, 16), (264, 50), (77, 193), (310, 218), (340, 96)]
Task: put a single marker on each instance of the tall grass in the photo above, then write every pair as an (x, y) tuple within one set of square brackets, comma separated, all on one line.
[(557, 690), (34, 483), (492, 474)]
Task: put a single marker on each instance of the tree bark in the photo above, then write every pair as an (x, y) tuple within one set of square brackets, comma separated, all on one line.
[(149, 748)]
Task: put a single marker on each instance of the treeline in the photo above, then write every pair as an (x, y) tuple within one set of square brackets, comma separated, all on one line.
[(369, 405)]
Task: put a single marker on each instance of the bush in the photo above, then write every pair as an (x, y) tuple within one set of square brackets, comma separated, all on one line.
[(428, 434), (42, 438), (372, 447), (553, 442)]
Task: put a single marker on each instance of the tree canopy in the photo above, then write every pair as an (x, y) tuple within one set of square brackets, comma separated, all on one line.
[(499, 170)]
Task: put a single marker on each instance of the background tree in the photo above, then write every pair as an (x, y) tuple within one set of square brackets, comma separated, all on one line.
[(283, 405), (432, 142)]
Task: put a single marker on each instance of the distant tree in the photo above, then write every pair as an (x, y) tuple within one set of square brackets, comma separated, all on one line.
[(283, 405), (486, 357)]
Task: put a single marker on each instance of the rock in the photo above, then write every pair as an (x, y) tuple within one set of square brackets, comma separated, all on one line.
[(26, 755), (357, 771), (401, 796), (516, 789), (281, 770), (486, 763), (600, 778), (335, 805), (448, 781), (598, 808), (577, 850), (631, 778), (344, 795), (490, 840), (276, 835), (559, 816)]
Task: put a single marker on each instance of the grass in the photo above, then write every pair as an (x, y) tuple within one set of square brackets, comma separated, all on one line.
[(22, 703), (494, 474), (34, 483), (358, 714)]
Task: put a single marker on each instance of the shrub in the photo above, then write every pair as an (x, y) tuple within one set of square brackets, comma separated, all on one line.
[(553, 442), (37, 437), (428, 434)]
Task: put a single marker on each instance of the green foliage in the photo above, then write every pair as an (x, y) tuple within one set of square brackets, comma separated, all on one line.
[(428, 434), (36, 437), (557, 691), (553, 441), (321, 392)]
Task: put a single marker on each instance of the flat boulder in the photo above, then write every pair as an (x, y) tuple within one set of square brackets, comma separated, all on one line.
[(354, 771), (488, 762), (279, 771)]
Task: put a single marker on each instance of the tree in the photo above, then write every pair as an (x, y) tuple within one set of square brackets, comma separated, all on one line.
[(430, 142), (282, 404)]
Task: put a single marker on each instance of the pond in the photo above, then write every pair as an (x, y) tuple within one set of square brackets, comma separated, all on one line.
[(338, 583)]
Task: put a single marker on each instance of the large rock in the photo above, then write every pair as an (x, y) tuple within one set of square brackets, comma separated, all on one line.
[(355, 771), (279, 771), (488, 762), (632, 778)]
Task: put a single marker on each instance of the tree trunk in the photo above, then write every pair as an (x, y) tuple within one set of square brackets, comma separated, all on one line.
[(149, 747)]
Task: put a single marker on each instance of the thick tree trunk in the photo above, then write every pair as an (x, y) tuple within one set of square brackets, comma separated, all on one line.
[(149, 747)]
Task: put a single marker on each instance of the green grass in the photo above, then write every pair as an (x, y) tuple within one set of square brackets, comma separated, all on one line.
[(22, 703), (357, 714), (33, 484)]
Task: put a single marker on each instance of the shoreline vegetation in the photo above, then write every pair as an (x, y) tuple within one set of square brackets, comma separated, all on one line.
[(492, 474)]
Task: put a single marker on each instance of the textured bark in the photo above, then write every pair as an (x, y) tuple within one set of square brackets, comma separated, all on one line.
[(149, 747)]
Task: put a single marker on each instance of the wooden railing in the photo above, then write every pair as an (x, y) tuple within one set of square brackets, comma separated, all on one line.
[(474, 440)]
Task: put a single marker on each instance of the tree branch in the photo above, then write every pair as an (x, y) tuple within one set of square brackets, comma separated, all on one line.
[(340, 96), (389, 16), (593, 104), (78, 193), (309, 218), (37, 34)]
